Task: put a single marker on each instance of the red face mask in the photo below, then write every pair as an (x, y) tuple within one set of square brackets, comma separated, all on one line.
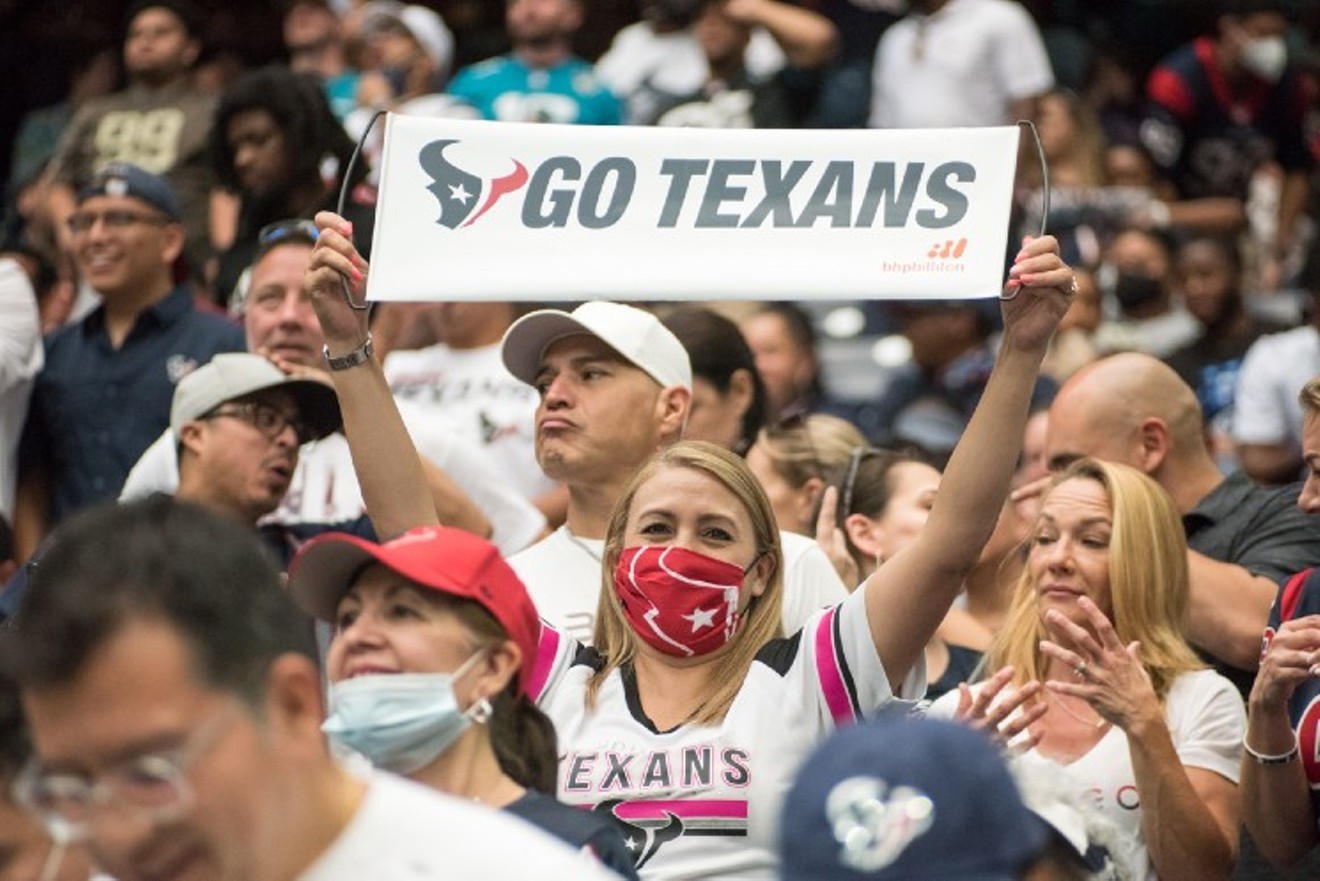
[(680, 602)]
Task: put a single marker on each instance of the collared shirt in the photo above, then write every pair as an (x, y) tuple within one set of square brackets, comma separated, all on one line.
[(95, 408)]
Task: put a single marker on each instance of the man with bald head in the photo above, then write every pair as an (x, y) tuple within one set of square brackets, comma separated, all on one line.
[(1242, 538)]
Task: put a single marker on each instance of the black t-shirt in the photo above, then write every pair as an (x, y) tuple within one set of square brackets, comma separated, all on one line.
[(582, 829)]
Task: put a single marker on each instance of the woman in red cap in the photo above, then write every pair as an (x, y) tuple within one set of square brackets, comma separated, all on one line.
[(429, 669)]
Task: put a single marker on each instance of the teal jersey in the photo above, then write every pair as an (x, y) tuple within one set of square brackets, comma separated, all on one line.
[(504, 88)]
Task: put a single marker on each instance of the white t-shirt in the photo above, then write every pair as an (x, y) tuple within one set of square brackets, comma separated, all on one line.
[(962, 66), (21, 358), (1206, 720), (472, 394), (1265, 406), (562, 575), (324, 487), (641, 63), (704, 801), (407, 832)]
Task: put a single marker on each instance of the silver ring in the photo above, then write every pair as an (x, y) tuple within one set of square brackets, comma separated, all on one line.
[(1080, 670), (1072, 287)]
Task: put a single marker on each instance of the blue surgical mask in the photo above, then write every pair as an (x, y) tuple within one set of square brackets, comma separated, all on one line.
[(399, 721)]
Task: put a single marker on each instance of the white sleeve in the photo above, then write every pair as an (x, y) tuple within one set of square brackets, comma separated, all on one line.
[(515, 521), (837, 671), (1259, 413), (1023, 66), (21, 353), (1207, 722), (156, 471), (810, 584)]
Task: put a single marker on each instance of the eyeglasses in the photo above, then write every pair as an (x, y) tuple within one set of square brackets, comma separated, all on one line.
[(82, 221), (282, 230), (850, 481), (269, 420), (155, 786)]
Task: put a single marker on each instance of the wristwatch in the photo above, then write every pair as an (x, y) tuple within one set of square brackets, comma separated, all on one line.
[(361, 355)]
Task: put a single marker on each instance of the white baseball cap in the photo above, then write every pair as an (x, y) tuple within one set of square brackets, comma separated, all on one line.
[(233, 375), (637, 335), (425, 25)]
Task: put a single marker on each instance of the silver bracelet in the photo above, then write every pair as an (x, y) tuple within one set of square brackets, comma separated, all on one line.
[(361, 355), (1291, 755)]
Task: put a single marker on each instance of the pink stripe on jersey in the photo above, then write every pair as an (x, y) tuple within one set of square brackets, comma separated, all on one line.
[(829, 671), (695, 809), (546, 649)]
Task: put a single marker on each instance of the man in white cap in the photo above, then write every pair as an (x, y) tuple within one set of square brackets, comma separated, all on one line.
[(615, 386)]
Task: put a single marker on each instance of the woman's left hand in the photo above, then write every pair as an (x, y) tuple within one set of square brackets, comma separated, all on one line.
[(1108, 675)]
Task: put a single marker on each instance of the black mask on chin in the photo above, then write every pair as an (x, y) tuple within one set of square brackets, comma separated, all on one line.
[(1134, 290)]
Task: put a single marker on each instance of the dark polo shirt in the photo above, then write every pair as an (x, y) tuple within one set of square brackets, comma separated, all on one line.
[(95, 409)]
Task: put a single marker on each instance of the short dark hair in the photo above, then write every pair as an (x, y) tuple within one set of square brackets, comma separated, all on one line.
[(157, 558), (183, 10), (15, 744), (717, 350)]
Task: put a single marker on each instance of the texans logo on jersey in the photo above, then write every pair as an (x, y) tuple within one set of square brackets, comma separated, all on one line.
[(460, 192)]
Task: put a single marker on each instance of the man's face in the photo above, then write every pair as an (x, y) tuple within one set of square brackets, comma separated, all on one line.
[(278, 314), (128, 247), (245, 467), (1209, 285), (138, 696), (1309, 500), (541, 21), (157, 47), (597, 415)]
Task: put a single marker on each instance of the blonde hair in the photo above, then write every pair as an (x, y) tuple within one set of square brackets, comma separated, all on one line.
[(615, 640), (800, 448), (1309, 397), (1147, 582)]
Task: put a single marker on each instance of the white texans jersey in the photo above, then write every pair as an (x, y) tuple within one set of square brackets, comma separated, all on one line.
[(703, 801)]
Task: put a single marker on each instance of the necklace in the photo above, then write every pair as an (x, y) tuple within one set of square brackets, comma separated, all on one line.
[(1100, 721), (586, 548)]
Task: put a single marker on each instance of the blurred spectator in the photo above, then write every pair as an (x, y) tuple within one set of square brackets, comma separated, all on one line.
[(728, 397), (1143, 313), (409, 52), (278, 147), (1220, 109), (1111, 88), (105, 391), (1267, 417), (792, 460), (540, 80), (959, 63), (21, 357), (314, 39), (660, 55), (731, 97), (1073, 346), (160, 123), (1210, 272), (783, 340)]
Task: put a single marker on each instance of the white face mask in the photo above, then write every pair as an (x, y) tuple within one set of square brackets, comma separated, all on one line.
[(1266, 57), (400, 721)]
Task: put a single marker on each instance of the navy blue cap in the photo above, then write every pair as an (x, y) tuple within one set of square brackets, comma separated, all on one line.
[(123, 179), (907, 800)]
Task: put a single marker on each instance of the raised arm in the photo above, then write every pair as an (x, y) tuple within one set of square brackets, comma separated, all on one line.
[(907, 597), (808, 38), (394, 482)]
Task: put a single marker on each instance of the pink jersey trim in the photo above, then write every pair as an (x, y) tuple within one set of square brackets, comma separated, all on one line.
[(547, 648), (829, 671), (687, 810)]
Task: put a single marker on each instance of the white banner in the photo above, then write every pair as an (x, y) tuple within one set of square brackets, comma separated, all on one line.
[(474, 210)]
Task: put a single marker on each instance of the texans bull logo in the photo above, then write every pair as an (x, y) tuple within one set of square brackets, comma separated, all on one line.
[(459, 192)]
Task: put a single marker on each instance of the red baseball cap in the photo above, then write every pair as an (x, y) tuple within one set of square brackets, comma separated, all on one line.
[(442, 558)]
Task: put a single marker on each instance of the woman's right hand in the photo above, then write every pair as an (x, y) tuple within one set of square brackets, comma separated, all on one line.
[(1291, 656), (1003, 713), (335, 262)]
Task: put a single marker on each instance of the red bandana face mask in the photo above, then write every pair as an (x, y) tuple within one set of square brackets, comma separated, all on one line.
[(680, 602)]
